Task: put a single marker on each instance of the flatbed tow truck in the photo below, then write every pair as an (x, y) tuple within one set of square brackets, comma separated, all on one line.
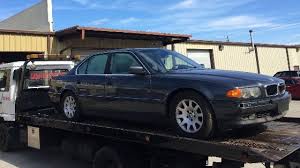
[(119, 144)]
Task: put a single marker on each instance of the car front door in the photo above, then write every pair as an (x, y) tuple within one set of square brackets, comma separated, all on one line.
[(128, 93), (91, 81), (6, 108)]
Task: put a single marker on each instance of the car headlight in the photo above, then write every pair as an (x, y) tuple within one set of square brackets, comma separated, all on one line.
[(244, 93)]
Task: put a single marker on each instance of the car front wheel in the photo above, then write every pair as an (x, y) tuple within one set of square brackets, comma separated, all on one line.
[(70, 106), (191, 115)]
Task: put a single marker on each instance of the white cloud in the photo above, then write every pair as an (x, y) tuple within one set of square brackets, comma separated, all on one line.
[(99, 22), (241, 22), (184, 4), (82, 2), (201, 18), (129, 20)]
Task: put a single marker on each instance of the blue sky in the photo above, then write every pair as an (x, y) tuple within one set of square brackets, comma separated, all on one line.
[(274, 21)]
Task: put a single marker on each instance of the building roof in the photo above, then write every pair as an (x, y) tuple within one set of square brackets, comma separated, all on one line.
[(241, 43), (167, 38), (37, 18)]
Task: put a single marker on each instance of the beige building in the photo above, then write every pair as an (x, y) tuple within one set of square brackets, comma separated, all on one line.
[(84, 41), (263, 58), (15, 45), (34, 35)]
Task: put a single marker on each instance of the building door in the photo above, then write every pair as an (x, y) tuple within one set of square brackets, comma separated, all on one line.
[(201, 57)]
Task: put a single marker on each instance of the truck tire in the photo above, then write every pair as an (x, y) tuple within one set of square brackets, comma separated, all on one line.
[(191, 115), (108, 157), (8, 138), (70, 106), (68, 147)]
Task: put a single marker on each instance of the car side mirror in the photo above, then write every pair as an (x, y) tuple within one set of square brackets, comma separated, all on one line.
[(138, 70)]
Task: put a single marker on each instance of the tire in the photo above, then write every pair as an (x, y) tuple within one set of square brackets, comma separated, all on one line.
[(8, 138), (193, 120), (72, 110), (108, 157), (68, 148)]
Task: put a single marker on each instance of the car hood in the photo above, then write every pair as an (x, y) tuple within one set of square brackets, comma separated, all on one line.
[(233, 75)]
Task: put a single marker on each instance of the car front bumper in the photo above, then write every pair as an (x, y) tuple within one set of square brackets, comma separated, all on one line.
[(235, 114)]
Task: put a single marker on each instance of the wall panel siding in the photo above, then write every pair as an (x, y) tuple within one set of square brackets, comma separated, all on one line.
[(101, 43), (231, 58), (23, 43), (294, 57), (272, 60)]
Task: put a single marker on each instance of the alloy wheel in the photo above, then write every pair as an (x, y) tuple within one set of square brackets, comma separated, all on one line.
[(189, 116), (70, 106)]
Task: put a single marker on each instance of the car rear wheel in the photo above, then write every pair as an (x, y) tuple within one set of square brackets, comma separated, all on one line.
[(70, 106), (191, 115)]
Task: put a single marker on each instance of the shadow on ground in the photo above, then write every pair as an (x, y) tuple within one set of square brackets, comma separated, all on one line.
[(31, 158)]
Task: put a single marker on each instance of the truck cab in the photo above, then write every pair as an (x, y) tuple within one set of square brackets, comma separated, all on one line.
[(35, 85)]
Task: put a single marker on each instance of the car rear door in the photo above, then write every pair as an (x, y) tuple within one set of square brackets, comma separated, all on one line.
[(91, 81), (127, 92)]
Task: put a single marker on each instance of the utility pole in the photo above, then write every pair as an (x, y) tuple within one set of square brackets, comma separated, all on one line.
[(254, 48)]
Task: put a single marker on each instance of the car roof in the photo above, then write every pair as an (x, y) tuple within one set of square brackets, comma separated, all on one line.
[(287, 71)]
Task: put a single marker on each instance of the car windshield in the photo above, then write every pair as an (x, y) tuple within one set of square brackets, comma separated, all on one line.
[(160, 60)]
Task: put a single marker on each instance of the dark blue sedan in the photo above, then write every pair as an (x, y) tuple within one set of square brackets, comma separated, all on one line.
[(162, 86)]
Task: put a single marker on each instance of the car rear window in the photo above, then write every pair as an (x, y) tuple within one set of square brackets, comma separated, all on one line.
[(41, 78)]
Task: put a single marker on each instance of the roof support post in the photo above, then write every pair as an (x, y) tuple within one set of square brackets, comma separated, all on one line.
[(257, 59), (288, 58), (48, 44), (173, 47), (82, 34)]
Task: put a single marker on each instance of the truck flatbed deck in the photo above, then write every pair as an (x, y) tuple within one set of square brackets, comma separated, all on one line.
[(269, 143)]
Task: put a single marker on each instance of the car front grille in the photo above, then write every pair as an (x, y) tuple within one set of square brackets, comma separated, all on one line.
[(275, 89)]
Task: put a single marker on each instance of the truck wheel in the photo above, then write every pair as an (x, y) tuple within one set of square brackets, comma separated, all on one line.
[(8, 138), (191, 115), (70, 106), (108, 157)]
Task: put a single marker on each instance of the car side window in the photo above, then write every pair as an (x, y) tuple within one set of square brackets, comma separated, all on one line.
[(4, 80), (82, 68), (97, 64), (121, 63)]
